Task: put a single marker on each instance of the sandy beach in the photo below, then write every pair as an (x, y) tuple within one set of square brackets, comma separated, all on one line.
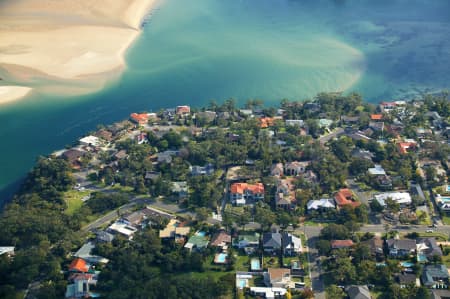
[(64, 41)]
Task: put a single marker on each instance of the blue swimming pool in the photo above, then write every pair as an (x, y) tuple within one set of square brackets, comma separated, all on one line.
[(242, 283), (406, 264), (421, 258), (201, 234), (255, 264), (221, 258)]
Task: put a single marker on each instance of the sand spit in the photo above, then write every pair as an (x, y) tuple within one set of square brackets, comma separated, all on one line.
[(65, 39)]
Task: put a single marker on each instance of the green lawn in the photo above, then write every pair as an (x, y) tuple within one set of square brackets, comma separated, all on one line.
[(445, 218), (73, 200), (438, 236), (426, 220), (446, 260)]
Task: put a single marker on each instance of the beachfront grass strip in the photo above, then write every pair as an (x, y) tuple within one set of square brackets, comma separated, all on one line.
[(74, 201)]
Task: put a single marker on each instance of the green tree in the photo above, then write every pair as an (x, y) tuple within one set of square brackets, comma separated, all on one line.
[(334, 292)]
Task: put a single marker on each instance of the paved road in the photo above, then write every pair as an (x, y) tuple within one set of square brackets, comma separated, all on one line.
[(324, 139)]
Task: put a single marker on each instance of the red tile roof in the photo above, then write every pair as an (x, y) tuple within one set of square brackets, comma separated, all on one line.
[(403, 147), (376, 116), (240, 188), (335, 244), (345, 197), (78, 265), (139, 118)]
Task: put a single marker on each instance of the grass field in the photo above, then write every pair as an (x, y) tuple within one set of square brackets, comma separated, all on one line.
[(73, 200)]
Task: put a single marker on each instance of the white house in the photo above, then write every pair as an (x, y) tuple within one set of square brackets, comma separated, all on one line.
[(90, 141), (323, 203), (402, 198)]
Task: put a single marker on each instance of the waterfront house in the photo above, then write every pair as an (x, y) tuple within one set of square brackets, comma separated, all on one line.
[(183, 110), (139, 118), (91, 141)]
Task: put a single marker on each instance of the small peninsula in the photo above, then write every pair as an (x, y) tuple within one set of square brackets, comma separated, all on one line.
[(325, 198)]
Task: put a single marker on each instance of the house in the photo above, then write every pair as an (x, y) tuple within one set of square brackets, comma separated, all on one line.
[(79, 265), (8, 250), (122, 229), (139, 118), (325, 123), (183, 110), (402, 198), (285, 194), (376, 117), (166, 156), (248, 242), (141, 138), (320, 204), (174, 230), (104, 134), (294, 122), (290, 244), (135, 218), (278, 278), (401, 247), (387, 106), (197, 242), (429, 248), (180, 189), (73, 156), (152, 175), (435, 276), (407, 146), (358, 292), (362, 154), (202, 170), (340, 244), (345, 197), (296, 168), (221, 239), (80, 286), (406, 279), (350, 120), (277, 169), (122, 154), (103, 236), (243, 193), (85, 253), (375, 246), (440, 294), (268, 293), (377, 170), (272, 242), (91, 141)]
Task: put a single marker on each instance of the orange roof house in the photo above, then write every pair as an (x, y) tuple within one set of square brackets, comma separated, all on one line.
[(241, 188), (183, 110), (140, 119), (337, 244), (265, 122), (404, 147), (376, 116), (78, 265), (345, 197)]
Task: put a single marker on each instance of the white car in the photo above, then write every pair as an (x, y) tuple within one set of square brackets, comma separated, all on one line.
[(429, 231)]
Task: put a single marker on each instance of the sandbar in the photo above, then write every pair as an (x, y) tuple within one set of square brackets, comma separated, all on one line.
[(66, 40)]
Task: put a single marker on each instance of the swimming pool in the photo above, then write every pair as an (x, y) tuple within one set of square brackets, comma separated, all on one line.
[(201, 234), (220, 258), (406, 264), (421, 258), (242, 283), (255, 264)]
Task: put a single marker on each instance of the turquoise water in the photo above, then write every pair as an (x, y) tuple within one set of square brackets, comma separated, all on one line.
[(255, 264), (407, 264), (194, 51), (201, 234), (421, 258)]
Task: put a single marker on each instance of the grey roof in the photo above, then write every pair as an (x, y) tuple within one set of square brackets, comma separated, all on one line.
[(358, 292), (272, 240), (406, 278), (432, 272), (434, 248), (404, 244)]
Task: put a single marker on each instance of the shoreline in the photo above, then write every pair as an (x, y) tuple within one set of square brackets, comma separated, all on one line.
[(41, 49)]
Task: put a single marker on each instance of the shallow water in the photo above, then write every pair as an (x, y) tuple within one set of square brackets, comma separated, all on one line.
[(193, 51)]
